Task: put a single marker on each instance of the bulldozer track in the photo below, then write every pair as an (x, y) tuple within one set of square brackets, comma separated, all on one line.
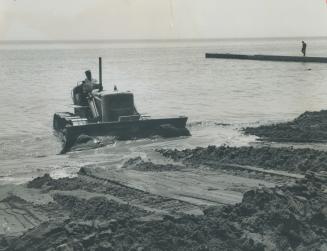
[(19, 218)]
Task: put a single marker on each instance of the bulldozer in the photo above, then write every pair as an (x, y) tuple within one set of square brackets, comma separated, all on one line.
[(98, 112)]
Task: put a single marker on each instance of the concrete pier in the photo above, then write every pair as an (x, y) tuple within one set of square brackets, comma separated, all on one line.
[(268, 58)]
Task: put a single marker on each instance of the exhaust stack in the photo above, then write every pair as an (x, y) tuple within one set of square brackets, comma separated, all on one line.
[(100, 74)]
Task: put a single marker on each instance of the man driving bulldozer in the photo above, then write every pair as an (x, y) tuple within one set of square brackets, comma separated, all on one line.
[(81, 92), (89, 84)]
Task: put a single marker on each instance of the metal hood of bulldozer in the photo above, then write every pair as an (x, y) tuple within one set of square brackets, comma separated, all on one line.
[(111, 93)]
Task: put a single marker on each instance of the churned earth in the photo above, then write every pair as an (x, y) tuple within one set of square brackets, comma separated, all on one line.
[(286, 159), (88, 215), (214, 198), (207, 198), (309, 127)]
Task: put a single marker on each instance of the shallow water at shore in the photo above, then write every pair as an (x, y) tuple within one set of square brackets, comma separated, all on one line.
[(166, 78)]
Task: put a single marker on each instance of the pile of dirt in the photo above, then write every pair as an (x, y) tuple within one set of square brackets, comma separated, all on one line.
[(39, 182), (287, 159), (91, 225), (307, 128), (139, 164), (283, 218), (47, 183)]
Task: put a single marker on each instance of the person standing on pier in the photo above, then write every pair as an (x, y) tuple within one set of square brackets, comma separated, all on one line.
[(304, 48)]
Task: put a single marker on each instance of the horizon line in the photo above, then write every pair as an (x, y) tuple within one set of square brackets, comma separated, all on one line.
[(154, 40)]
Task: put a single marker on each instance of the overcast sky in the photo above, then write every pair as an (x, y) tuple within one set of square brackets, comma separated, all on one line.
[(160, 19)]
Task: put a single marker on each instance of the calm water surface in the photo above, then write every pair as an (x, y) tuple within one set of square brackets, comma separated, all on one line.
[(166, 78)]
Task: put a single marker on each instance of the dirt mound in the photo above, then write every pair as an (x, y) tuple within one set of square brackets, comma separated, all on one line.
[(39, 182), (308, 127), (14, 199), (284, 218), (91, 225), (139, 164), (47, 183), (97, 208), (288, 159)]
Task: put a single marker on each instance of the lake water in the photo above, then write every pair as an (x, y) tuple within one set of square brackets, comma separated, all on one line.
[(167, 78)]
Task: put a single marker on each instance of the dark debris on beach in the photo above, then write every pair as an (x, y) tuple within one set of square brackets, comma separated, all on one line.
[(282, 218)]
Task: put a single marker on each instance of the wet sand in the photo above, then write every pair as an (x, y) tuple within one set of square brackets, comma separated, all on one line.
[(190, 204)]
